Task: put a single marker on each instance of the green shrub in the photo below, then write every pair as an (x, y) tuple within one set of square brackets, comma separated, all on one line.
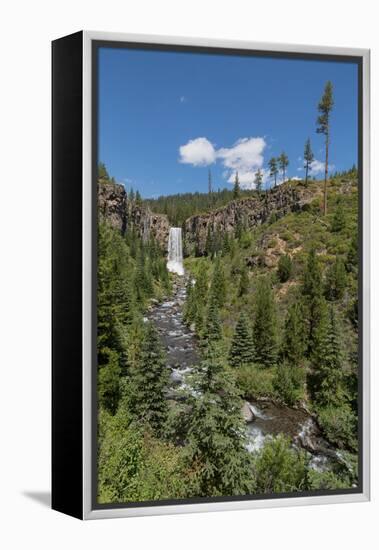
[(285, 268), (327, 480), (134, 466), (255, 382), (280, 468), (288, 383), (339, 425), (246, 239)]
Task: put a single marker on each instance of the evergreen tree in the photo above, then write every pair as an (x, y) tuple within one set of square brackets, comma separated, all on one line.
[(242, 348), (352, 254), (149, 382), (210, 187), (294, 339), (288, 382), (209, 242), (308, 159), (123, 301), (285, 268), (238, 229), (198, 299), (283, 163), (217, 434), (244, 281), (339, 219), (336, 280), (102, 172), (212, 332), (236, 188), (327, 376), (265, 326), (190, 304), (218, 284), (201, 285), (312, 292), (273, 164), (225, 244), (109, 380), (325, 107), (138, 198), (258, 180)]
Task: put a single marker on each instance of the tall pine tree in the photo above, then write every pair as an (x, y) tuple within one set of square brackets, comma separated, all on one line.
[(265, 326), (294, 338), (217, 434), (312, 292), (273, 165), (308, 159), (218, 284), (236, 188), (327, 365), (242, 348), (258, 180), (325, 107), (212, 332), (149, 381), (283, 163)]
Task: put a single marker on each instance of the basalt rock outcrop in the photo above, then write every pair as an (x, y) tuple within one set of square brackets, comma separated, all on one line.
[(123, 214), (248, 212), (112, 204), (149, 224)]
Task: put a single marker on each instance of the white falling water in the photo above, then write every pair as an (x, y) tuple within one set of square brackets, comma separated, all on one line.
[(175, 251)]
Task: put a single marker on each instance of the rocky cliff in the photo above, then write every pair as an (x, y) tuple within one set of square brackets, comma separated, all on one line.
[(123, 214), (112, 204), (248, 212), (150, 224)]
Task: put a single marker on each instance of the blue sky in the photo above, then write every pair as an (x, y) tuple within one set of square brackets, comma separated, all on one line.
[(166, 118)]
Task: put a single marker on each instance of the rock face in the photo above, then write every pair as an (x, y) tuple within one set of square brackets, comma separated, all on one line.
[(248, 212), (123, 214), (112, 204), (150, 224)]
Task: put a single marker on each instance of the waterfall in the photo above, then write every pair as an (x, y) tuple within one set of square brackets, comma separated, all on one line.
[(175, 252)]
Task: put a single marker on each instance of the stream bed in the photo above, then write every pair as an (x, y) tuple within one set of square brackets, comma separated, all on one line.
[(267, 419)]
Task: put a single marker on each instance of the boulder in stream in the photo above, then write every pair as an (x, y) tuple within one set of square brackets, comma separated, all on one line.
[(247, 413)]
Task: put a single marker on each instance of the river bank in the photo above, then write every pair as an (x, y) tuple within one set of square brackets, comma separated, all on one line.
[(268, 419)]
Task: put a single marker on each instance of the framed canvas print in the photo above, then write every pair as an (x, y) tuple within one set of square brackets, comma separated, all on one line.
[(210, 275)]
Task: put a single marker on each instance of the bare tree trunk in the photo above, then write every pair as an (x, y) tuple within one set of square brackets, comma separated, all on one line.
[(326, 171), (306, 174)]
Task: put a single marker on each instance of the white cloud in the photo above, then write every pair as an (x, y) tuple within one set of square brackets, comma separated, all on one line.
[(295, 178), (182, 99), (318, 167), (199, 152), (244, 157)]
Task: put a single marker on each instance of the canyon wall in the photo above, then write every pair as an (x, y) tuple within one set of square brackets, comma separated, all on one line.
[(122, 214), (248, 212)]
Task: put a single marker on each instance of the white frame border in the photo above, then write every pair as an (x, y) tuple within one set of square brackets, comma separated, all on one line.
[(88, 512)]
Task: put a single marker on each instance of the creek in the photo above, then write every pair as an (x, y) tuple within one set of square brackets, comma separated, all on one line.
[(266, 419)]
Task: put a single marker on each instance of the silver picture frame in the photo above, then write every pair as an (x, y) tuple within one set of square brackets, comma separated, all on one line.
[(89, 511)]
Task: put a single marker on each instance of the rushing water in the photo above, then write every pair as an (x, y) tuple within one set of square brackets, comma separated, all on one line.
[(271, 419), (268, 419), (179, 341), (175, 251)]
